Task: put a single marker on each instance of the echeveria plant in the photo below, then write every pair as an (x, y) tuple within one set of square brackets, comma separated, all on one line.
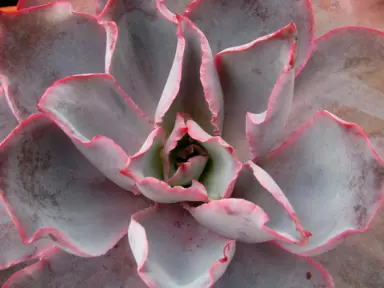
[(145, 146)]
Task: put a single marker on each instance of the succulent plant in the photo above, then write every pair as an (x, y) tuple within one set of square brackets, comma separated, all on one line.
[(159, 144)]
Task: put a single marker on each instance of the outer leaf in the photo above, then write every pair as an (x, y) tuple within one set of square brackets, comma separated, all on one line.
[(259, 211), (229, 23), (12, 250), (7, 120), (193, 85), (86, 6), (61, 270), (54, 192), (333, 178), (265, 265), (173, 250), (221, 171), (101, 120), (55, 43), (144, 50), (146, 169), (345, 77), (258, 77)]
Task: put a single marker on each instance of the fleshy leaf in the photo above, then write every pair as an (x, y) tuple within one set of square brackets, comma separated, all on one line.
[(58, 269), (100, 118), (258, 211), (258, 77), (193, 86), (86, 6), (144, 51), (223, 167), (57, 43), (7, 120), (54, 192), (188, 171), (145, 168), (345, 77), (265, 265), (12, 250), (333, 178), (173, 250), (228, 23)]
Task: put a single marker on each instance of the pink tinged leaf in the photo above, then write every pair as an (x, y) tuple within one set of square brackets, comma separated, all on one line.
[(258, 77), (222, 170), (188, 171), (173, 250), (193, 86), (12, 250), (57, 43), (7, 120), (144, 51), (58, 269), (333, 178), (265, 265), (259, 211), (345, 77), (228, 23), (85, 6), (145, 167), (102, 121), (54, 192)]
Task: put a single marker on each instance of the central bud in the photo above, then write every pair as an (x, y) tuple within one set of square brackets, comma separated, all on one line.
[(186, 149), (187, 162)]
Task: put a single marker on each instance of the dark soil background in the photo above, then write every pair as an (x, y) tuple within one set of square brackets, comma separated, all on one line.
[(4, 3)]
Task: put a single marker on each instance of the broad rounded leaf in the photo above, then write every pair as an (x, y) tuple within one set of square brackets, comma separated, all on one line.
[(59, 269), (258, 211), (265, 265), (54, 192), (257, 80), (173, 250), (333, 178), (228, 23), (144, 51), (345, 77), (55, 43), (12, 250), (86, 6), (102, 121), (193, 86)]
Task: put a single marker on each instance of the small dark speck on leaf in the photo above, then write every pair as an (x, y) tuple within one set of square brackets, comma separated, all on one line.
[(308, 275)]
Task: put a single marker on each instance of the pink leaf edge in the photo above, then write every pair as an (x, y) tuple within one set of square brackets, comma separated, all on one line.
[(331, 243), (46, 232), (191, 6), (111, 36), (228, 250)]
